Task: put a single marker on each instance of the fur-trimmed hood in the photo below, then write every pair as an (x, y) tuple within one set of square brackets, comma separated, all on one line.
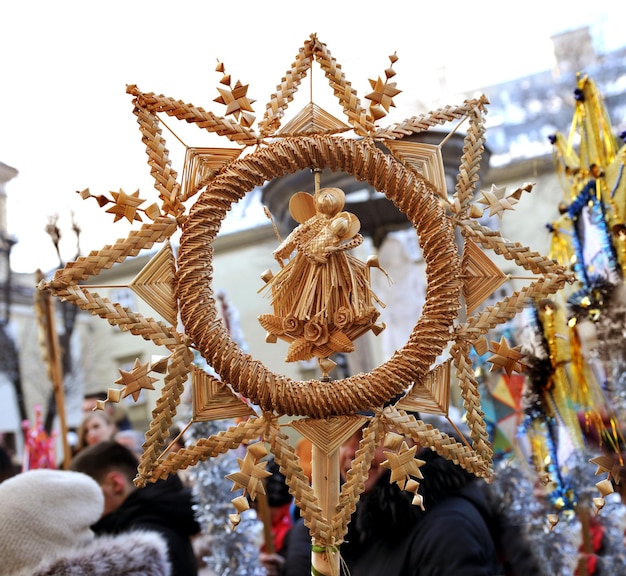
[(130, 554)]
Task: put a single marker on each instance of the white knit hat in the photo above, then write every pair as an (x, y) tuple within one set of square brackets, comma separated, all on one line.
[(44, 514)]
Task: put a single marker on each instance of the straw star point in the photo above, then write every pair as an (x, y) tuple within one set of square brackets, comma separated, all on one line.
[(606, 464), (126, 206), (136, 380), (496, 200), (403, 464), (235, 99), (383, 93), (505, 357), (250, 477)]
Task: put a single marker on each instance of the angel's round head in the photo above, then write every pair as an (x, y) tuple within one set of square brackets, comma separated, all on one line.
[(330, 201)]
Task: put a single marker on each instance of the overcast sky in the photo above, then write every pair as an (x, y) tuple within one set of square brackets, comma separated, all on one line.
[(66, 122)]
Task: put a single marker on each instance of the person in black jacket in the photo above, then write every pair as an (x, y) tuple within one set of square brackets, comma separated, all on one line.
[(164, 506), (389, 535)]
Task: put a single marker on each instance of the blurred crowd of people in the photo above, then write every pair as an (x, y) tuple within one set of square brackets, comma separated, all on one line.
[(88, 517), (92, 517)]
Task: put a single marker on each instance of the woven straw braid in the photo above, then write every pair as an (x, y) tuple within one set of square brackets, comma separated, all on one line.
[(410, 192), (210, 447), (191, 114), (357, 115), (127, 320), (471, 401), (313, 48), (508, 307), (178, 369), (284, 91), (423, 122), (159, 162), (286, 457), (522, 255), (446, 446), (325, 532), (64, 284), (354, 484), (116, 315), (87, 266), (473, 147), (553, 278)]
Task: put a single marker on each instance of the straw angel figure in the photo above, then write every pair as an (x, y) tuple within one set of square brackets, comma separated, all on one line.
[(321, 296)]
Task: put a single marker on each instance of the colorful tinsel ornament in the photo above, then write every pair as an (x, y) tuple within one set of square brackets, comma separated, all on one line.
[(576, 354), (590, 165), (594, 193)]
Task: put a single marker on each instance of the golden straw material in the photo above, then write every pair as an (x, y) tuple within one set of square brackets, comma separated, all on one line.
[(432, 395), (325, 411), (321, 297), (313, 119), (412, 194), (481, 277), (212, 400), (201, 165), (314, 49), (425, 159), (155, 284)]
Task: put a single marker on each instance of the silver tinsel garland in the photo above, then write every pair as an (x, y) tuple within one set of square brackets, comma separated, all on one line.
[(556, 550), (227, 552), (612, 517)]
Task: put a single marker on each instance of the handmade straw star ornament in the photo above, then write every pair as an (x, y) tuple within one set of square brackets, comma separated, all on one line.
[(339, 305)]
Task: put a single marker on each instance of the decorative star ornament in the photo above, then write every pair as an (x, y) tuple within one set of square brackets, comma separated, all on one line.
[(403, 464), (496, 200), (136, 380), (506, 358), (126, 206), (235, 99), (251, 475), (195, 207), (383, 92)]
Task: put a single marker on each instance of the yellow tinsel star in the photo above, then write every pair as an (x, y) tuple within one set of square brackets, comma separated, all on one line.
[(126, 206), (136, 380), (403, 464), (506, 358)]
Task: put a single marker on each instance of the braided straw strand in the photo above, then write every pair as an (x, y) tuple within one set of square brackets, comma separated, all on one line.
[(159, 162), (173, 386), (194, 115), (354, 484), (284, 91), (210, 447), (424, 122), (473, 147), (446, 446), (299, 486)]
